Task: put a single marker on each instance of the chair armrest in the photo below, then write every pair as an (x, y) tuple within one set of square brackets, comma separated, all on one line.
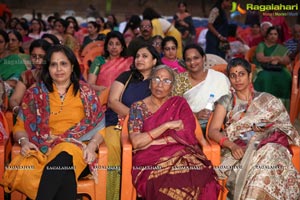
[(102, 171), (127, 189), (296, 156)]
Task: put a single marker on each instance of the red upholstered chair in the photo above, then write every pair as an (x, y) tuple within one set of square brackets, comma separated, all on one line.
[(128, 191), (84, 186)]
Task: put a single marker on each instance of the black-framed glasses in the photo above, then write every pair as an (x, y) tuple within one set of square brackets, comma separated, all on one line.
[(170, 48), (157, 80)]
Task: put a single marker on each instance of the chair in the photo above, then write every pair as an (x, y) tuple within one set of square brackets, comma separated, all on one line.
[(84, 186), (89, 58), (220, 68), (212, 60), (93, 45), (295, 158), (295, 94), (128, 191), (4, 152), (250, 54)]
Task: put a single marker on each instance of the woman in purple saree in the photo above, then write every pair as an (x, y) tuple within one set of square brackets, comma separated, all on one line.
[(167, 161)]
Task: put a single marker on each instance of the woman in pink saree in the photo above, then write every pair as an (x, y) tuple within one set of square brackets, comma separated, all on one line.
[(105, 69), (256, 155), (167, 160)]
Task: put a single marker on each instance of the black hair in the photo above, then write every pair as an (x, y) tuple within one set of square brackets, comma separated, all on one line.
[(73, 19), (39, 43), (119, 36), (133, 23), (154, 54), (184, 3), (232, 30), (150, 13), (238, 62), (193, 46), (76, 73), (62, 22), (270, 29), (97, 26), (19, 38), (168, 39), (52, 37), (4, 35)]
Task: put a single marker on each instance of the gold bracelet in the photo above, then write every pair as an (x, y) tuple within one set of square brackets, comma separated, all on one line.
[(94, 140)]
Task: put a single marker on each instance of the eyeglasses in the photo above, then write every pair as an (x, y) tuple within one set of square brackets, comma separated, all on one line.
[(157, 80), (145, 26), (239, 74), (156, 43), (170, 48), (37, 56)]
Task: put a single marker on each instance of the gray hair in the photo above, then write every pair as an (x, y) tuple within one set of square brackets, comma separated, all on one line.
[(167, 68)]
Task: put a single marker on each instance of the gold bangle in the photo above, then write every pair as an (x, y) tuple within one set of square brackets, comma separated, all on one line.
[(94, 140)]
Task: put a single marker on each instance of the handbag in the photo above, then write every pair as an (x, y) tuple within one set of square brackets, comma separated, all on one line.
[(224, 45), (271, 67), (24, 173), (121, 119)]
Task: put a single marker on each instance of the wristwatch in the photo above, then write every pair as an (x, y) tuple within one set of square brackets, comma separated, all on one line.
[(21, 139)]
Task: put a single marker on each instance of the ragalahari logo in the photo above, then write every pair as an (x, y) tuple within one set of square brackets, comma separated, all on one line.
[(236, 10)]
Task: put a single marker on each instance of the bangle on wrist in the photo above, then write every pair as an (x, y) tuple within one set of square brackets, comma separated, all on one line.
[(148, 132), (222, 140), (15, 108), (95, 141), (219, 35), (21, 139)]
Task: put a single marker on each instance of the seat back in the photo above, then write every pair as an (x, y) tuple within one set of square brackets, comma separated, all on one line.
[(220, 68), (103, 97), (295, 94), (92, 45), (250, 54), (212, 60), (89, 58)]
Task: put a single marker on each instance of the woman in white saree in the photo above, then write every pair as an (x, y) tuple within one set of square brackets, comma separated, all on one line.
[(197, 84)]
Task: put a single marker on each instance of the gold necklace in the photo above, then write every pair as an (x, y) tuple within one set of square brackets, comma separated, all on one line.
[(62, 99)]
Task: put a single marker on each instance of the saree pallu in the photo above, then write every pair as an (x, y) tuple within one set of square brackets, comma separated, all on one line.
[(110, 70), (171, 170), (266, 170)]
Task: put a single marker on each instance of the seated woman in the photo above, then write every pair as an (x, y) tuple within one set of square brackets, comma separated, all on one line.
[(46, 123), (197, 84), (277, 81), (13, 65), (93, 34), (255, 140), (105, 69), (169, 48), (162, 132), (129, 87), (38, 50)]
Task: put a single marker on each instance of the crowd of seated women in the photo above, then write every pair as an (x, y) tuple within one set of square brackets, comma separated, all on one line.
[(163, 90)]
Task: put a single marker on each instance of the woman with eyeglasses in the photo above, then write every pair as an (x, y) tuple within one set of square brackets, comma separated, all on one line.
[(197, 84), (130, 86), (255, 140), (169, 48), (38, 50), (168, 162)]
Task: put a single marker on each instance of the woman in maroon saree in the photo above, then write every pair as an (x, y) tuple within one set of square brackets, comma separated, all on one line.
[(167, 161)]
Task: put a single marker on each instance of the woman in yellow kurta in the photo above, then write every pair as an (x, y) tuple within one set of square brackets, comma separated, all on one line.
[(58, 114)]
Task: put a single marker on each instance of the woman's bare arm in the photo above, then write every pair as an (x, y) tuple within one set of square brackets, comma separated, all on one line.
[(114, 102)]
